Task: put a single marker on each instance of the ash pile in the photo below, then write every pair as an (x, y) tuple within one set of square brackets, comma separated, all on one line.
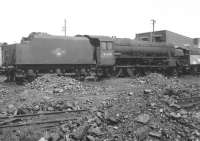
[(54, 84), (49, 93), (153, 108), (157, 108)]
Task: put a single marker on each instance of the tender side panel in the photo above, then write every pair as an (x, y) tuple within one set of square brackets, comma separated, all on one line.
[(56, 51)]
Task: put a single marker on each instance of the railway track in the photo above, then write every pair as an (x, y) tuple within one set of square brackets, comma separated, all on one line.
[(46, 119)]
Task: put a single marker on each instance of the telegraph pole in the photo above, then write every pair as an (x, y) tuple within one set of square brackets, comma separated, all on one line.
[(153, 23), (65, 27)]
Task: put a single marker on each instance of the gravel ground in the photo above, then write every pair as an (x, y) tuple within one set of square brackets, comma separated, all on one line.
[(153, 107)]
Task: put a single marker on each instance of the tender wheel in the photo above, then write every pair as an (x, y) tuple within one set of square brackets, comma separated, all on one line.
[(58, 72), (131, 72), (118, 72), (31, 75), (108, 72)]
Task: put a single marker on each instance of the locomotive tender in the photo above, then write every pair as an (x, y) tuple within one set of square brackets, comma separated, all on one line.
[(93, 56)]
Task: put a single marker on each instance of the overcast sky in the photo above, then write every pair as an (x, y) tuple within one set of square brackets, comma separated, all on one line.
[(121, 18)]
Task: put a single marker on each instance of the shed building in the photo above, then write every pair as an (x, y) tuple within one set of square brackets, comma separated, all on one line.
[(165, 36)]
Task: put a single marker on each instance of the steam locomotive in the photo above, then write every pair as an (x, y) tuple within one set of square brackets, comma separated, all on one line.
[(85, 56)]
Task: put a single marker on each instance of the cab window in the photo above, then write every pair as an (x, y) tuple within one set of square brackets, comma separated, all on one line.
[(106, 45), (103, 45), (109, 45)]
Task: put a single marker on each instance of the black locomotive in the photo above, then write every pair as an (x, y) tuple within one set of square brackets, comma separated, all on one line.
[(86, 56)]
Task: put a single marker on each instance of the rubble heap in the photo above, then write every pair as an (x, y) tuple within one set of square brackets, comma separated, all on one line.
[(153, 107), (54, 84), (157, 108), (3, 92)]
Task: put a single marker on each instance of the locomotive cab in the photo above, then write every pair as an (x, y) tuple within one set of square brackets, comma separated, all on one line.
[(106, 53)]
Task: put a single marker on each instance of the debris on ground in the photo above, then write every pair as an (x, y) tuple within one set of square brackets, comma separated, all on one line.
[(54, 84), (152, 107)]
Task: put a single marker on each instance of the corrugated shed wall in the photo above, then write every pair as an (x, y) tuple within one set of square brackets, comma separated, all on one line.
[(178, 39)]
